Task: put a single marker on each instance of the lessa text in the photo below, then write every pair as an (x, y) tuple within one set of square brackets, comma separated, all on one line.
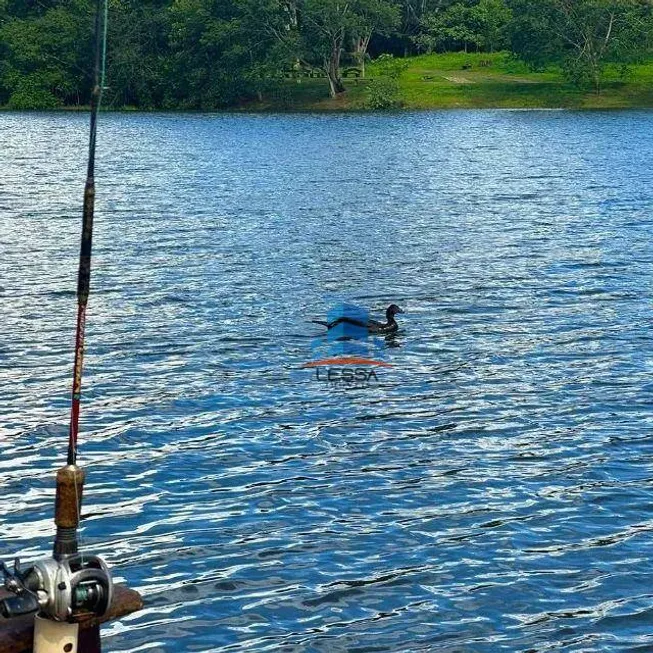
[(345, 375)]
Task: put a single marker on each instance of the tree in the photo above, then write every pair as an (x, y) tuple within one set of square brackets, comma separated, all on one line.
[(315, 33), (323, 29), (48, 54), (492, 18), (223, 51), (327, 25), (4, 54), (200, 33), (374, 17), (454, 28), (583, 36), (138, 58), (412, 14)]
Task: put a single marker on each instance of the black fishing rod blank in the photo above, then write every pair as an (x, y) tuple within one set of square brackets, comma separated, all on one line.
[(69, 587)]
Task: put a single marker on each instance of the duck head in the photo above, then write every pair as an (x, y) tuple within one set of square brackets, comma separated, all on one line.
[(391, 311)]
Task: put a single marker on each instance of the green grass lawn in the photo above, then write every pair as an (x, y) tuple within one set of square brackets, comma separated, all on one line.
[(459, 80)]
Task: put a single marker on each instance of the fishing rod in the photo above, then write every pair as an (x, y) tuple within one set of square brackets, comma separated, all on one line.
[(69, 587), (84, 272)]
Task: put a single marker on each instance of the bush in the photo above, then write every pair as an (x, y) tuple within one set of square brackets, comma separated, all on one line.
[(383, 91), (31, 96)]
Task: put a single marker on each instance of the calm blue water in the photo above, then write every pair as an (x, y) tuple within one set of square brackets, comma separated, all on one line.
[(491, 492)]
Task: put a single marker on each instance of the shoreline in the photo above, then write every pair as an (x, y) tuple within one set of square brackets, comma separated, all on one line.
[(440, 82), (325, 112)]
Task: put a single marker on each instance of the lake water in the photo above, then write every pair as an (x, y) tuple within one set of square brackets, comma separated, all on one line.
[(491, 491)]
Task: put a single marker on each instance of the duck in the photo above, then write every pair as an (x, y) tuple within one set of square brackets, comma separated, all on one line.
[(373, 326)]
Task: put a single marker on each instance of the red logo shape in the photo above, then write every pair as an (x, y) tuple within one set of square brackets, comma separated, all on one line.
[(346, 360)]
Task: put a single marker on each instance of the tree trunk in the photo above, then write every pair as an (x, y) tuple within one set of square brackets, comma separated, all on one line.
[(360, 51), (335, 83), (361, 45), (291, 7), (332, 69), (594, 63), (366, 43), (596, 74)]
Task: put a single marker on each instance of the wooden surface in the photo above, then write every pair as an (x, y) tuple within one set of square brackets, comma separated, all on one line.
[(16, 634)]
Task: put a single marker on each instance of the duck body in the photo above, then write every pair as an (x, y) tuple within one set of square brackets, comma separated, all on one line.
[(347, 321), (390, 325)]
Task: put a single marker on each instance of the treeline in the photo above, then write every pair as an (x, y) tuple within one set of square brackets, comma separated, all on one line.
[(198, 54)]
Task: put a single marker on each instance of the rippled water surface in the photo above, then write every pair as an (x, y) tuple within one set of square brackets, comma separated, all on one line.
[(492, 491)]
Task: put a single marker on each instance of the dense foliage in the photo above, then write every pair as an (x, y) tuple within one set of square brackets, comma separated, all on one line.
[(212, 53), (582, 35)]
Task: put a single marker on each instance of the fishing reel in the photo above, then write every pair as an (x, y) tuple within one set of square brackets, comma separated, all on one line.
[(74, 587)]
